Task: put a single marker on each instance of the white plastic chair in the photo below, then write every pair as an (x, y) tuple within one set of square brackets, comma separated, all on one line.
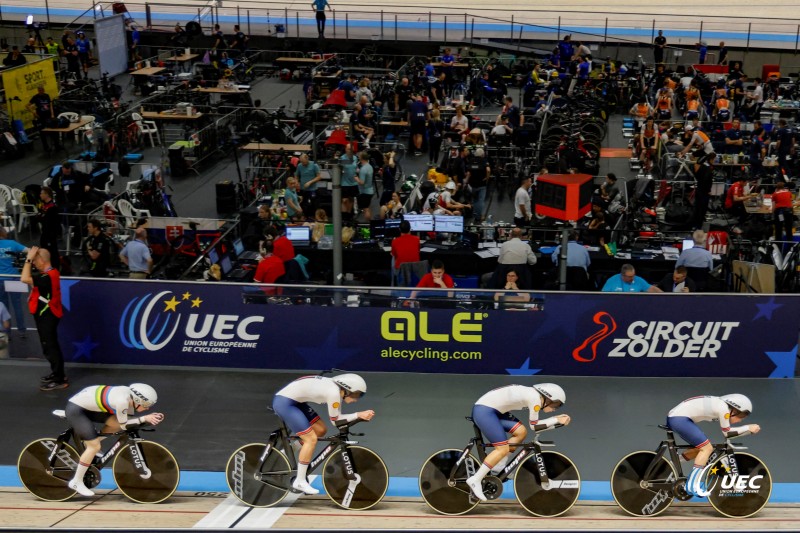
[(6, 198), (24, 211), (87, 127), (147, 127), (130, 214)]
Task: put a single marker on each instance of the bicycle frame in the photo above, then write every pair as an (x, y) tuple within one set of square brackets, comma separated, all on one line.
[(130, 436)]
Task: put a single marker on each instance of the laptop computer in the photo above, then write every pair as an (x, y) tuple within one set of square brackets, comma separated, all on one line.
[(299, 235), (231, 274), (244, 255)]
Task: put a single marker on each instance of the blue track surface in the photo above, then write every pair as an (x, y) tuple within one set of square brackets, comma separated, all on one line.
[(407, 487)]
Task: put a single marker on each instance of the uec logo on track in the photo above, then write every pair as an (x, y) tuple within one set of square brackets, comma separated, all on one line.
[(145, 325)]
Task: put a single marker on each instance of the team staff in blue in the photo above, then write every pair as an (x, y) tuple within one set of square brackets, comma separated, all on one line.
[(577, 255), (319, 6), (84, 53), (628, 281)]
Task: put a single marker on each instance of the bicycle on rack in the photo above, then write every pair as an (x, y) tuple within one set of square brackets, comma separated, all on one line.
[(546, 483), (354, 477), (646, 483), (145, 471)]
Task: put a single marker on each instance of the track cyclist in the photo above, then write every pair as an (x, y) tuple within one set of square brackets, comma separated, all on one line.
[(290, 403), (111, 406), (682, 419), (491, 414)]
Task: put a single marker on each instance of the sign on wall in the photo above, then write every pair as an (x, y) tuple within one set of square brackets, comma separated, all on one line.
[(24, 82), (215, 325)]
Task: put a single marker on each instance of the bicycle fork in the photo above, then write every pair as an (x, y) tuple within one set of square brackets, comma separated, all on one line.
[(138, 459), (351, 474)]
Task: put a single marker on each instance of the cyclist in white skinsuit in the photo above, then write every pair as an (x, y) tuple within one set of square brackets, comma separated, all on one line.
[(683, 418), (491, 414), (290, 403), (111, 406)]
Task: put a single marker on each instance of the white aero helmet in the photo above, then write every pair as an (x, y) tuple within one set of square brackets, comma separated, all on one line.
[(351, 383), (551, 392), (740, 402), (143, 395)]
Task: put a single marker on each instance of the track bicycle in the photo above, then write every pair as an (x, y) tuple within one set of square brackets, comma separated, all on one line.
[(354, 477), (546, 483), (145, 471), (646, 483)]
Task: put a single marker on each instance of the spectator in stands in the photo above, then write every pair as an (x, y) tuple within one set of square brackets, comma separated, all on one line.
[(628, 281), (477, 176), (15, 58), (516, 252), (435, 279), (366, 186), (697, 256), (282, 246), (136, 256), (417, 119), (49, 218), (513, 282), (271, 268), (12, 300), (577, 255), (678, 281), (659, 44), (522, 202), (405, 248)]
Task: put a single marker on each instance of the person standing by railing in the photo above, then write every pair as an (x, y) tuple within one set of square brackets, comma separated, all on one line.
[(319, 6), (659, 43)]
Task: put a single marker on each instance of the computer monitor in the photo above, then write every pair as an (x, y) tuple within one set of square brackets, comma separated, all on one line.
[(448, 223), (688, 243), (385, 229), (238, 247), (226, 264), (213, 256), (299, 234), (420, 222), (329, 230)]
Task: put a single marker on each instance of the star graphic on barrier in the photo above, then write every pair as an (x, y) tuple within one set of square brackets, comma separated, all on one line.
[(187, 295), (66, 285), (171, 304), (784, 363), (766, 309), (196, 302), (524, 370), (328, 354), (84, 348), (714, 470)]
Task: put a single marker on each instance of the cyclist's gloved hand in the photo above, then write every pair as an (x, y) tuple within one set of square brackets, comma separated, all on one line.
[(754, 428), (366, 415), (563, 419), (153, 419)]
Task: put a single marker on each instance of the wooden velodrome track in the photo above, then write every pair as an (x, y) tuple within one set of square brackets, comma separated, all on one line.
[(19, 509)]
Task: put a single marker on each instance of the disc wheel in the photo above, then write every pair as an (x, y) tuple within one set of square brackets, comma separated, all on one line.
[(626, 484), (435, 487), (242, 475), (32, 467), (162, 480), (739, 495), (565, 485), (372, 486)]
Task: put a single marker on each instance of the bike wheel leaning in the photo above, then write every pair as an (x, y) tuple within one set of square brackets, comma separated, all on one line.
[(565, 485), (372, 487), (628, 492), (275, 476), (434, 482), (164, 473), (32, 465), (741, 494)]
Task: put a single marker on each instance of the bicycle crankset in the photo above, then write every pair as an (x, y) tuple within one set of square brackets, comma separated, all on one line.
[(92, 477), (492, 487), (679, 490)]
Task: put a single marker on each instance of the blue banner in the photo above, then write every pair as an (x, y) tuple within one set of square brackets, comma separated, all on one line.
[(236, 326)]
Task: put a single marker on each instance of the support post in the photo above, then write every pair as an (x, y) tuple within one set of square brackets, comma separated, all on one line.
[(562, 259)]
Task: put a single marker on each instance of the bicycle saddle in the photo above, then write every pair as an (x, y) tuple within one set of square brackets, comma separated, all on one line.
[(664, 427), (469, 418), (60, 413)]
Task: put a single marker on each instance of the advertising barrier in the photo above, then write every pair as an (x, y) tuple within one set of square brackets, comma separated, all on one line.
[(23, 82), (239, 326)]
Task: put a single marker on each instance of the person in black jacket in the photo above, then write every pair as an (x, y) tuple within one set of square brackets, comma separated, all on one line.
[(50, 221), (15, 58)]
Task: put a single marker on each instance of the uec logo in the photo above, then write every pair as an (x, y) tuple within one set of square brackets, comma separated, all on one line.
[(144, 326)]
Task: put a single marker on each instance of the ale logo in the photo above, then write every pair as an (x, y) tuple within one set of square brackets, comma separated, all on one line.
[(150, 322)]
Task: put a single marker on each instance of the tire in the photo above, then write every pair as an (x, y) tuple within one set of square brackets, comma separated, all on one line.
[(374, 479), (731, 501), (558, 499), (630, 496), (164, 473), (433, 482), (275, 481), (32, 465)]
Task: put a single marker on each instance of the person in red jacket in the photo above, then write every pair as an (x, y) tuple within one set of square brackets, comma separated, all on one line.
[(44, 303), (405, 248), (783, 217), (283, 247), (270, 269), (435, 279)]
